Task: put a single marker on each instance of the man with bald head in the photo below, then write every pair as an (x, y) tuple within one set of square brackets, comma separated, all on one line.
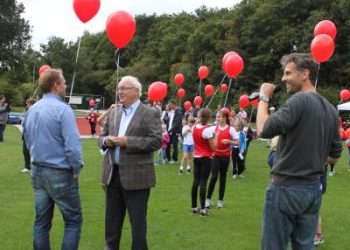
[(131, 134)]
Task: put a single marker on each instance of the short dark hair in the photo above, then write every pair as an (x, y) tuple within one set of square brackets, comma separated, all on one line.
[(172, 101), (48, 79), (302, 61), (204, 115)]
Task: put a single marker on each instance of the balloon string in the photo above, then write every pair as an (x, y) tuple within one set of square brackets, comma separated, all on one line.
[(35, 91), (251, 115), (216, 91), (117, 58), (75, 68), (117, 63), (172, 95), (318, 72), (228, 91), (200, 87)]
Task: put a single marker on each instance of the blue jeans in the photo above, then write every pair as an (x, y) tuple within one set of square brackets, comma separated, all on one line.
[(56, 186), (291, 212), (161, 156)]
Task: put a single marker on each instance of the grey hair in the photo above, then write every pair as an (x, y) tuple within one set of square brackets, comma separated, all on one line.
[(302, 61), (133, 82)]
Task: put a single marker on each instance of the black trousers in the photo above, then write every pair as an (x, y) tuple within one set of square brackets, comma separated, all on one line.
[(219, 165), (2, 129), (93, 128), (237, 163), (172, 144), (201, 172), (26, 155), (118, 200)]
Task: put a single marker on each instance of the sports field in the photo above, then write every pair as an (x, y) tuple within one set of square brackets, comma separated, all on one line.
[(170, 224)]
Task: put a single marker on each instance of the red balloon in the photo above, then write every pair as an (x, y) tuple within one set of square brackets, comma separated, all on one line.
[(187, 105), (120, 28), (326, 27), (224, 87), (344, 95), (322, 48), (244, 101), (198, 100), (225, 57), (208, 90), (43, 68), (181, 93), (179, 79), (92, 103), (165, 88), (157, 91), (233, 65), (86, 9), (203, 72), (254, 102)]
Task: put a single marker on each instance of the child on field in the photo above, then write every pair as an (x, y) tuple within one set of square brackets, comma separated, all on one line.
[(238, 151), (188, 145), (165, 141)]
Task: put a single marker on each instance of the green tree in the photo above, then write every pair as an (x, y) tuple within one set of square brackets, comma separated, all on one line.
[(14, 34)]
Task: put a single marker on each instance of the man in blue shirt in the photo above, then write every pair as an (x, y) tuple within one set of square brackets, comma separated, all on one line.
[(53, 140)]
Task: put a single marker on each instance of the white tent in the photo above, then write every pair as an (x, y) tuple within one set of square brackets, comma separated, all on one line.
[(344, 106)]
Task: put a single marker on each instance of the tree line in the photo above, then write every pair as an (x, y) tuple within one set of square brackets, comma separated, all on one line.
[(261, 31)]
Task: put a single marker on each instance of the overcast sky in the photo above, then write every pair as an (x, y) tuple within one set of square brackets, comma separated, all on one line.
[(57, 17)]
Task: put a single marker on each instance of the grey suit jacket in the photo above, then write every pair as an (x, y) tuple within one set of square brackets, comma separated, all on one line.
[(136, 166)]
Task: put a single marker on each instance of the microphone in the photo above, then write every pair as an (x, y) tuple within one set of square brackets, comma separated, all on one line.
[(256, 95)]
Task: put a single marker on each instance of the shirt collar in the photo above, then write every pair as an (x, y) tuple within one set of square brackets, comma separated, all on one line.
[(131, 108), (51, 95)]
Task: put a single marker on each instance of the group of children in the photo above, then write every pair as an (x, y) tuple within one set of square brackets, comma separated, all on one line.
[(211, 147)]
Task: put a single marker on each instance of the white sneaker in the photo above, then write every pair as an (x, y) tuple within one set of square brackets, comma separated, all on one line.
[(220, 204), (25, 170), (330, 173), (203, 213), (208, 203), (234, 176), (241, 176)]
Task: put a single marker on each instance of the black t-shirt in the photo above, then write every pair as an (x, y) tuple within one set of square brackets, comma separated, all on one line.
[(308, 127)]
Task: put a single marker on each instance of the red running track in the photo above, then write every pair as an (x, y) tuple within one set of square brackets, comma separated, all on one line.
[(84, 127)]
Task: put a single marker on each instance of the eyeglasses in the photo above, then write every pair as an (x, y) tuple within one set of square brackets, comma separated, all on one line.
[(123, 88)]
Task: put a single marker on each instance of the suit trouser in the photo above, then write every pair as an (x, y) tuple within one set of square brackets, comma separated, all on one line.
[(173, 143), (118, 200)]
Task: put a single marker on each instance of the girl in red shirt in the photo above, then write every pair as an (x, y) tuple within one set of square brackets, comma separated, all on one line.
[(227, 136), (204, 143)]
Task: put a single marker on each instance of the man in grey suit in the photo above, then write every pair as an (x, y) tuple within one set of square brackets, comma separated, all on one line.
[(131, 134)]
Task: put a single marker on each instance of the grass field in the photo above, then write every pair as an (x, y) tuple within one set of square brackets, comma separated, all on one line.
[(170, 224)]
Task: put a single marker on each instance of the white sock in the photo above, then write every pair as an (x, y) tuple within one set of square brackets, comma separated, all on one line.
[(181, 168), (188, 167)]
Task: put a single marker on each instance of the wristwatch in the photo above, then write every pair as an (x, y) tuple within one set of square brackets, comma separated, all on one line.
[(264, 98)]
